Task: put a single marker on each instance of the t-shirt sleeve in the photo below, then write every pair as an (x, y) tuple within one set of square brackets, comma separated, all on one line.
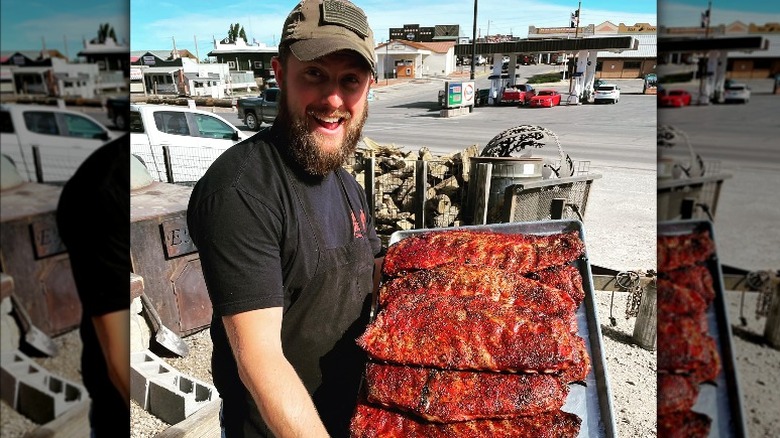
[(237, 237)]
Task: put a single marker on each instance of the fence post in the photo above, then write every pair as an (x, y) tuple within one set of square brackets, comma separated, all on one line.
[(481, 192), (369, 181), (646, 325), (772, 327), (37, 163), (420, 180), (168, 164)]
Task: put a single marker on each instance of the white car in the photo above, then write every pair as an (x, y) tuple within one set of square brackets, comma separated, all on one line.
[(48, 143), (736, 92), (193, 139), (606, 93)]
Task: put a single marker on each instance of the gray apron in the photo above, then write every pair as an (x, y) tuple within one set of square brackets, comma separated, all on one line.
[(319, 329)]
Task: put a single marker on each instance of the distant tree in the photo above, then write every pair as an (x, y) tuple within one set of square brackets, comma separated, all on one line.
[(235, 32), (105, 31)]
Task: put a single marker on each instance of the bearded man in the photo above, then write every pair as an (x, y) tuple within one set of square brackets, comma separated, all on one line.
[(287, 246)]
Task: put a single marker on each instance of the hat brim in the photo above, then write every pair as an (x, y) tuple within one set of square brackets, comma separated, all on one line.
[(309, 50)]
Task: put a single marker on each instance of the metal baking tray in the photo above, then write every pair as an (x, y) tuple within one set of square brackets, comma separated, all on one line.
[(722, 402), (593, 401)]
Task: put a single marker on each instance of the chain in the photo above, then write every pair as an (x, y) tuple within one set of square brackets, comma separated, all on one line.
[(761, 281), (630, 281)]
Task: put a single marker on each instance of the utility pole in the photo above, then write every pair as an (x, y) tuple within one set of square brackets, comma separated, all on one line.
[(197, 53), (704, 98), (474, 42), (576, 22)]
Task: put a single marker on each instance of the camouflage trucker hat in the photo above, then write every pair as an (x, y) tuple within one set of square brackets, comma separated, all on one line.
[(316, 28)]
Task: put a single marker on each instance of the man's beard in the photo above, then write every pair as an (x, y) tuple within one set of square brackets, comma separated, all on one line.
[(305, 147)]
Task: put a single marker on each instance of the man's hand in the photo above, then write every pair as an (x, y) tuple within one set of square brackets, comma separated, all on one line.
[(281, 397)]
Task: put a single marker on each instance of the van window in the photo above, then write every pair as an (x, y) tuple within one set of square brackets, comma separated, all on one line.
[(211, 127), (171, 122), (41, 122), (82, 127)]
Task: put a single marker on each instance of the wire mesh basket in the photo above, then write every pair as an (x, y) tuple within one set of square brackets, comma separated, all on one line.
[(560, 198), (691, 198)]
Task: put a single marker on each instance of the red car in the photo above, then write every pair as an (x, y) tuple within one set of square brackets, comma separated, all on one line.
[(548, 98), (674, 98)]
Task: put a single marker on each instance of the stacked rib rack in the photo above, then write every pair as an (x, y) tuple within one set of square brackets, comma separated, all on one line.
[(687, 354), (475, 336)]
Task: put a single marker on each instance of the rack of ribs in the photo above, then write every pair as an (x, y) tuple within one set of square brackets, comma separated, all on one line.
[(684, 349), (676, 393), (684, 424), (566, 278), (447, 396), (520, 253), (469, 333), (481, 281), (376, 422), (680, 250), (675, 300), (696, 278)]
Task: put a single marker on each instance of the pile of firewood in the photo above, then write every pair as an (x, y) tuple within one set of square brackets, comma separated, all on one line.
[(395, 185)]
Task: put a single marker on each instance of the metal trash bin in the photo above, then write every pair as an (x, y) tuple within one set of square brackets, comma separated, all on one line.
[(489, 178)]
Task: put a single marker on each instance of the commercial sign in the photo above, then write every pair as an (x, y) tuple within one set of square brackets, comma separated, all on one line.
[(460, 94)]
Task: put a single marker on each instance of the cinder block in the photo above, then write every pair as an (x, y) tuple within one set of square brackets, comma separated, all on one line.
[(144, 366), (34, 392), (174, 400), (14, 366), (164, 391)]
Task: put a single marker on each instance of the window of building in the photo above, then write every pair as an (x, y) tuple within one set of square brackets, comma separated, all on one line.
[(632, 64)]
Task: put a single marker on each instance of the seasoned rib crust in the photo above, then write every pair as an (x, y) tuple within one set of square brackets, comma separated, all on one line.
[(684, 349), (520, 253), (677, 251), (675, 300), (580, 365), (374, 422), (481, 281), (696, 278), (676, 393), (447, 396), (685, 424), (468, 333), (566, 278)]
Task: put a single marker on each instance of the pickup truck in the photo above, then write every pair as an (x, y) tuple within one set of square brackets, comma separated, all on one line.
[(193, 139), (48, 143), (263, 108), (520, 94)]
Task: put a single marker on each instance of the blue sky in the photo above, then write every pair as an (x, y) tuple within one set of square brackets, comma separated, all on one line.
[(154, 24), (688, 12), (61, 25)]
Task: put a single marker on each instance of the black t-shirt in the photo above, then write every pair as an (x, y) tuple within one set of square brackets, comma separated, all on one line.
[(271, 237), (93, 219)]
